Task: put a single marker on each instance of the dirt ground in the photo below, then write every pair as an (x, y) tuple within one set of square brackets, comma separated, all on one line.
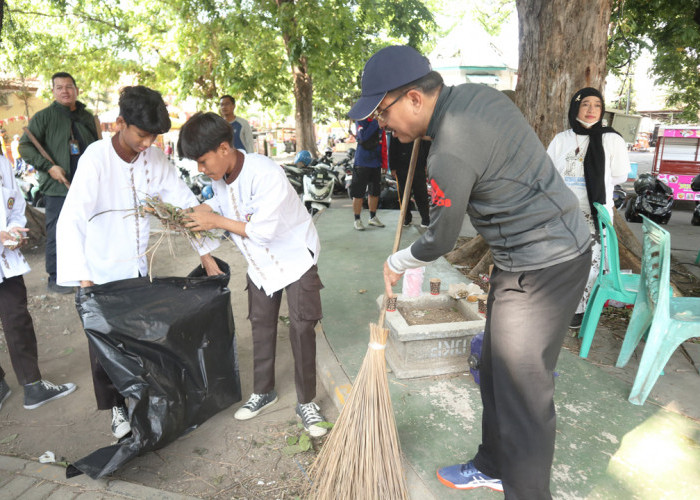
[(430, 315), (223, 458)]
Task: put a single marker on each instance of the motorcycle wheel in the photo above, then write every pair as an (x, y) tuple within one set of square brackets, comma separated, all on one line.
[(695, 220)]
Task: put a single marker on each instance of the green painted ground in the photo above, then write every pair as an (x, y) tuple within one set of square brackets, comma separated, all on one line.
[(606, 447)]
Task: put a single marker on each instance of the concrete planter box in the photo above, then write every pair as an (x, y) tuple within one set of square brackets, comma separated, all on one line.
[(434, 349)]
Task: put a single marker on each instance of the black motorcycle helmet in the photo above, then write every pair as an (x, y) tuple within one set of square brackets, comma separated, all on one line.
[(644, 183)]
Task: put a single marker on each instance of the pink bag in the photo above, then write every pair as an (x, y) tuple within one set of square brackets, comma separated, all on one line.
[(413, 282)]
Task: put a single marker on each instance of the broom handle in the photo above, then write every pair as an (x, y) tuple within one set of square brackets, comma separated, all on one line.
[(404, 208), (38, 145)]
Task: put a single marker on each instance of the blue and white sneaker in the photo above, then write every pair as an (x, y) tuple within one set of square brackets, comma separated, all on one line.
[(467, 477)]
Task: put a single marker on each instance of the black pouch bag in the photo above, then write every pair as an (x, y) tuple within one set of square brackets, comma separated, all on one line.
[(169, 347)]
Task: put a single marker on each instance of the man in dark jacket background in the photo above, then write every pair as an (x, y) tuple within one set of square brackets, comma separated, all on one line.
[(64, 130)]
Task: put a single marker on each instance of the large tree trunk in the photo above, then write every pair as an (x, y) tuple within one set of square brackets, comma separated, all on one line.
[(303, 97), (563, 47), (303, 89)]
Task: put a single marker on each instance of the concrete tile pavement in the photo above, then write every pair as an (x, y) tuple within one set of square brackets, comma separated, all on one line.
[(25, 479), (606, 447)]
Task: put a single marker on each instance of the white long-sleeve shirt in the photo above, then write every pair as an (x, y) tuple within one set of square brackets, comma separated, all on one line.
[(569, 163), (12, 262), (98, 237), (281, 234)]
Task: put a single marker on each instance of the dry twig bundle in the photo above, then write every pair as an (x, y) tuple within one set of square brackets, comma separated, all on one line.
[(172, 218), (362, 456)]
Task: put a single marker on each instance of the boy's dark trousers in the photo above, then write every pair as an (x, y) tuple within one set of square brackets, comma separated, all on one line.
[(19, 330), (304, 302), (106, 393)]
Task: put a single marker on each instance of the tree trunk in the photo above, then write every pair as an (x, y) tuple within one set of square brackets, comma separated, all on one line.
[(303, 87), (469, 253), (563, 48), (303, 97)]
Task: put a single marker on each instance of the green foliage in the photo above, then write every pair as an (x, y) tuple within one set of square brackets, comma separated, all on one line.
[(206, 48), (298, 444), (670, 30), (491, 14)]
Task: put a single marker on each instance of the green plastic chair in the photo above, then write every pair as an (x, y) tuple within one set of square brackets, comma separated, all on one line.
[(611, 284), (669, 320)]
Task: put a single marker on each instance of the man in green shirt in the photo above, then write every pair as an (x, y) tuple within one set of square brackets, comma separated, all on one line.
[(64, 130)]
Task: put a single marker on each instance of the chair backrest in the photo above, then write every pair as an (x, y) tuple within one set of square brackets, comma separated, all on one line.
[(656, 267), (610, 254)]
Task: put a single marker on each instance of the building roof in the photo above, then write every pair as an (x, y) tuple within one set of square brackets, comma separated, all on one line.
[(468, 47)]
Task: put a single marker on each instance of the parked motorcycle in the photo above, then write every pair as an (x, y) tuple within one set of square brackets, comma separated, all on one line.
[(654, 200), (29, 185), (318, 188), (200, 184), (619, 196), (185, 176), (296, 170)]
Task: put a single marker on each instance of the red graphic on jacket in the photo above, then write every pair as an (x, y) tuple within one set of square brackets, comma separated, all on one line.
[(438, 195)]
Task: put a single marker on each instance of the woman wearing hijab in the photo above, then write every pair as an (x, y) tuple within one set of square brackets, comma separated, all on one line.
[(592, 159)]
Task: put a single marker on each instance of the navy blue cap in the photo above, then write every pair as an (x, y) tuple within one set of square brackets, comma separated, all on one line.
[(388, 69)]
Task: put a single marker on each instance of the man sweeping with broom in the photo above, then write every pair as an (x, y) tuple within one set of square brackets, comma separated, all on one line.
[(487, 161)]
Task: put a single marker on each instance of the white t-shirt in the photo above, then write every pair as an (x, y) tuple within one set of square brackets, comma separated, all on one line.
[(98, 237), (12, 205), (569, 163), (281, 234)]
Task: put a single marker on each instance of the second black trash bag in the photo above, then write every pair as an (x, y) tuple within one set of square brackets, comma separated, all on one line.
[(168, 345)]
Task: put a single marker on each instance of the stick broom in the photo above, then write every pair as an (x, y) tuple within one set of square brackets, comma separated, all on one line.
[(361, 459)]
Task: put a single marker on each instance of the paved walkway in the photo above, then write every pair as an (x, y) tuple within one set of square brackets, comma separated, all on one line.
[(606, 447), (31, 480)]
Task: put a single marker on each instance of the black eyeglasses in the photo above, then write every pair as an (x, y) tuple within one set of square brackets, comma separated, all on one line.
[(379, 113)]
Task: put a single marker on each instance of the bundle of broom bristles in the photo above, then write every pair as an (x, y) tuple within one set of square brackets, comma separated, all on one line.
[(362, 457)]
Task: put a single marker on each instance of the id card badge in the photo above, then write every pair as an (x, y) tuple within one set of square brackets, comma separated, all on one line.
[(74, 147)]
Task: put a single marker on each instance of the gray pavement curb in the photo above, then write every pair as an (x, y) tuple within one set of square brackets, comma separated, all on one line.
[(25, 478), (337, 384)]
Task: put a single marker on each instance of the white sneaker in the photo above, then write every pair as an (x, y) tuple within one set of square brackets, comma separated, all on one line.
[(374, 221), (358, 225), (120, 422)]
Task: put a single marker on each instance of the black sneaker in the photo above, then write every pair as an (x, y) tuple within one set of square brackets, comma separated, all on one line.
[(43, 391), (121, 425), (255, 404), (576, 321), (310, 416), (4, 391)]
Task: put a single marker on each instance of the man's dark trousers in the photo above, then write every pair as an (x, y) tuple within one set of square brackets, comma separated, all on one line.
[(528, 314), (54, 204)]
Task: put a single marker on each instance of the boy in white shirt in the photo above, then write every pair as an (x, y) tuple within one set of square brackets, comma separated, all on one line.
[(16, 321), (100, 236), (275, 233)]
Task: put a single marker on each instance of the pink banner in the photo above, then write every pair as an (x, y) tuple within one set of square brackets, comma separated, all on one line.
[(681, 186), (681, 132)]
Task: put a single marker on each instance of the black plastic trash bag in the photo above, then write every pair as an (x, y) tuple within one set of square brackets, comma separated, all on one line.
[(169, 347)]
